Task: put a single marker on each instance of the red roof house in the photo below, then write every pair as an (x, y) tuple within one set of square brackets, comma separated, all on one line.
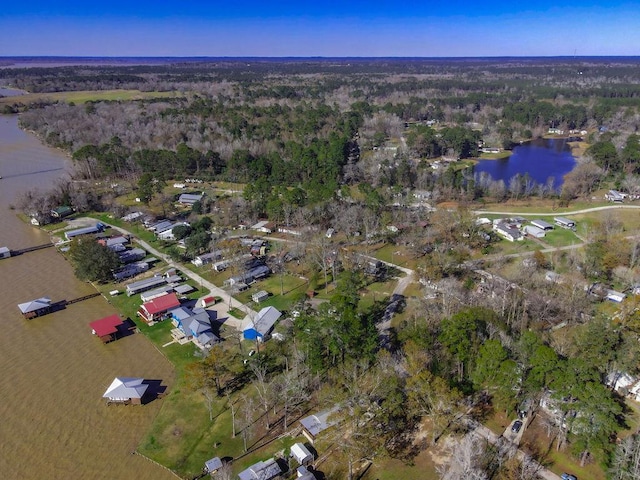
[(158, 307), (106, 328)]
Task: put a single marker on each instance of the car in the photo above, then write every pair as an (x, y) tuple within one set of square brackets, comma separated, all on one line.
[(568, 476), (517, 425), (252, 353)]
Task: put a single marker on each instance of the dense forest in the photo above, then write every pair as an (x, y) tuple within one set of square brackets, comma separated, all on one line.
[(350, 144)]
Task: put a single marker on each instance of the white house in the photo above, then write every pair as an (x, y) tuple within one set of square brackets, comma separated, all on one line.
[(507, 232)]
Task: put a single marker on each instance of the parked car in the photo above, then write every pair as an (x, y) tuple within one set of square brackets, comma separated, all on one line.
[(517, 425), (568, 476)]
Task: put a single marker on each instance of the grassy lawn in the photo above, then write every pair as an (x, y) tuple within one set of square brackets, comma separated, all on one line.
[(560, 237), (87, 96), (294, 289), (506, 247)]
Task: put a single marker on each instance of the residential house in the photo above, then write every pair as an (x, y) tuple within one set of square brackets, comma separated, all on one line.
[(508, 232), (106, 329), (160, 226), (97, 228), (265, 470), (213, 465), (61, 212), (264, 226), (158, 308), (126, 390), (130, 217), (155, 293), (615, 196), (317, 423), (190, 198), (303, 473), (116, 244), (144, 285), (258, 328), (132, 255), (195, 324), (206, 258), (130, 270)]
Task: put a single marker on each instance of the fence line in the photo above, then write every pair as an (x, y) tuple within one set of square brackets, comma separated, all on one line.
[(135, 452)]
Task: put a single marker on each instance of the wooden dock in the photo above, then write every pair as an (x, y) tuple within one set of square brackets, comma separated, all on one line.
[(80, 299), (31, 249)]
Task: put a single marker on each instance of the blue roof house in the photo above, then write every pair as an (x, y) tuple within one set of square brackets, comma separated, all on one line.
[(259, 327)]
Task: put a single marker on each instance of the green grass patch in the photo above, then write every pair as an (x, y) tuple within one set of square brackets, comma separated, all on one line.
[(86, 96), (560, 237)]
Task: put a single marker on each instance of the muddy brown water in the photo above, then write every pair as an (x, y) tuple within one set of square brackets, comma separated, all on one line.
[(54, 422)]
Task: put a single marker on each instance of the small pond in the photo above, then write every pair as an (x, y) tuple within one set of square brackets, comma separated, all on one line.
[(541, 158)]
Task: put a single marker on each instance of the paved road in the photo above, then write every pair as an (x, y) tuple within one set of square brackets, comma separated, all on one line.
[(213, 289), (557, 214)]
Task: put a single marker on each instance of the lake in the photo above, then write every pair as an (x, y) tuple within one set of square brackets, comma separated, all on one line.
[(541, 158), (55, 423)]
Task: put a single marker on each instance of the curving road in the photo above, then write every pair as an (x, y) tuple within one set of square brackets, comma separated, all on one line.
[(557, 214)]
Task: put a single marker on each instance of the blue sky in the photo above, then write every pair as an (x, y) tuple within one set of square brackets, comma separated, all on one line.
[(346, 28)]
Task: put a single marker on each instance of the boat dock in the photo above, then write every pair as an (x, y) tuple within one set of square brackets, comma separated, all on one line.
[(31, 249)]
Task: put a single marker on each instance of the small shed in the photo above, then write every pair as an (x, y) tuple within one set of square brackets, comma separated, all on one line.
[(126, 390), (260, 296), (106, 328), (301, 453)]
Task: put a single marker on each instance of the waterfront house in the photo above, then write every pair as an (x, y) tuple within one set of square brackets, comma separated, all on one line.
[(265, 470), (36, 308), (158, 308), (126, 390), (106, 329), (97, 228), (61, 212), (259, 328)]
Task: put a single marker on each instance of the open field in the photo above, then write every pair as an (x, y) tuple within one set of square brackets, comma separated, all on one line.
[(86, 96)]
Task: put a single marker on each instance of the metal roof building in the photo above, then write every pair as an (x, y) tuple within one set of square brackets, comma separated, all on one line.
[(261, 471), (144, 285), (258, 328), (125, 390)]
